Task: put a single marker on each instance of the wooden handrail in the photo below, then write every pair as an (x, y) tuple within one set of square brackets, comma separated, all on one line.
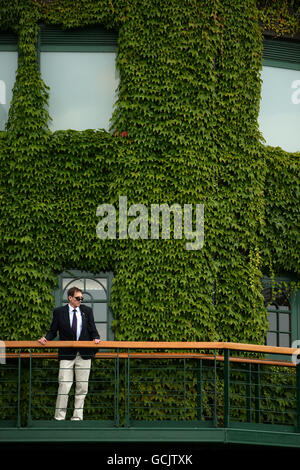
[(157, 355), (154, 345)]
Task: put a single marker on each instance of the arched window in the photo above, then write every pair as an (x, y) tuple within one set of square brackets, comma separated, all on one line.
[(96, 293)]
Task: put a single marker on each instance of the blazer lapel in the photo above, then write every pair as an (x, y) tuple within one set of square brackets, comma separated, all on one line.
[(66, 318), (83, 319)]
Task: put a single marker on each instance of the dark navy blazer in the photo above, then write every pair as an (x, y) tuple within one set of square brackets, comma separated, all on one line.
[(61, 324)]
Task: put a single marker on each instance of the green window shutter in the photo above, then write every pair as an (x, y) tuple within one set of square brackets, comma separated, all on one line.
[(94, 39), (8, 41), (282, 54)]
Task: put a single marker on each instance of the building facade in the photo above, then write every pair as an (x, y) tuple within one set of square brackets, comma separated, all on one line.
[(153, 103)]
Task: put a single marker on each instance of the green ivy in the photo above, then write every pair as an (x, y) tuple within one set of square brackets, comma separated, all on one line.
[(185, 131), (280, 16)]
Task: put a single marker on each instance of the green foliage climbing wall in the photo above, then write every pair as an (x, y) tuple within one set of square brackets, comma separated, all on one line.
[(189, 100)]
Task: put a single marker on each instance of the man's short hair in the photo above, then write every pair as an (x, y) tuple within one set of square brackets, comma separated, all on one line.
[(72, 291)]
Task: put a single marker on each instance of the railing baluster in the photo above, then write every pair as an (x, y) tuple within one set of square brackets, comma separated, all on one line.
[(215, 417), (184, 380), (19, 391), (127, 400), (30, 386), (248, 394), (257, 394), (117, 391), (199, 390), (226, 388)]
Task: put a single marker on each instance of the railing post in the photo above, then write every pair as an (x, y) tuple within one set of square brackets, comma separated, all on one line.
[(215, 417), (127, 390), (257, 394), (298, 396), (248, 394), (29, 398), (19, 391), (199, 390), (184, 380), (226, 388), (117, 390)]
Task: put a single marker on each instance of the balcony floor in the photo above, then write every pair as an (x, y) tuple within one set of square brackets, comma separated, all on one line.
[(150, 432)]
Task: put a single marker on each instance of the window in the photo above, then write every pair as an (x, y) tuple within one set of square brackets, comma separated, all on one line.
[(96, 293), (79, 66), (279, 316), (279, 117), (283, 309), (8, 68)]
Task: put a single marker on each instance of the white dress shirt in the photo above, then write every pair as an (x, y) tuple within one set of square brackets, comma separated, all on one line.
[(79, 320)]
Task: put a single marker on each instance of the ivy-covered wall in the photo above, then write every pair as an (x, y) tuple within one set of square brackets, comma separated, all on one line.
[(188, 100)]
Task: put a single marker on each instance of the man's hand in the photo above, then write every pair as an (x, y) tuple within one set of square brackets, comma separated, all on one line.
[(42, 341), (97, 340)]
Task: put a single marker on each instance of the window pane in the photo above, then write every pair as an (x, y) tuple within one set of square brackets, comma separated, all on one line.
[(8, 67), (101, 327), (68, 283), (98, 283), (100, 311), (96, 288), (284, 307), (284, 322), (279, 117), (272, 321), (82, 88), (271, 339), (284, 340)]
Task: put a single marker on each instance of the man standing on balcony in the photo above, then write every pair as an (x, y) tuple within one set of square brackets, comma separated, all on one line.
[(73, 322)]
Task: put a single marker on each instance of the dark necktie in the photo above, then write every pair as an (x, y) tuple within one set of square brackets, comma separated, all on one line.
[(74, 324)]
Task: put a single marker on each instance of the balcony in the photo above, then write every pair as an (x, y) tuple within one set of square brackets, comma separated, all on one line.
[(149, 391)]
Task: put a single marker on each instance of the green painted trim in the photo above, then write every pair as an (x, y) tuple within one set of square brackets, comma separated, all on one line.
[(68, 424), (8, 41), (78, 433), (8, 424), (173, 424), (281, 64), (295, 315), (281, 53), (9, 47), (93, 39), (76, 48), (263, 438), (282, 428)]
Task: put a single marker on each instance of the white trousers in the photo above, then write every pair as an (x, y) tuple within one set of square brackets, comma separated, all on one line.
[(82, 369)]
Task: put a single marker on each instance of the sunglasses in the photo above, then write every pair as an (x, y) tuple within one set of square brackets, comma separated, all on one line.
[(78, 298)]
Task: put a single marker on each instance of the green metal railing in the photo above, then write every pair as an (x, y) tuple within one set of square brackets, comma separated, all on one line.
[(217, 385)]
